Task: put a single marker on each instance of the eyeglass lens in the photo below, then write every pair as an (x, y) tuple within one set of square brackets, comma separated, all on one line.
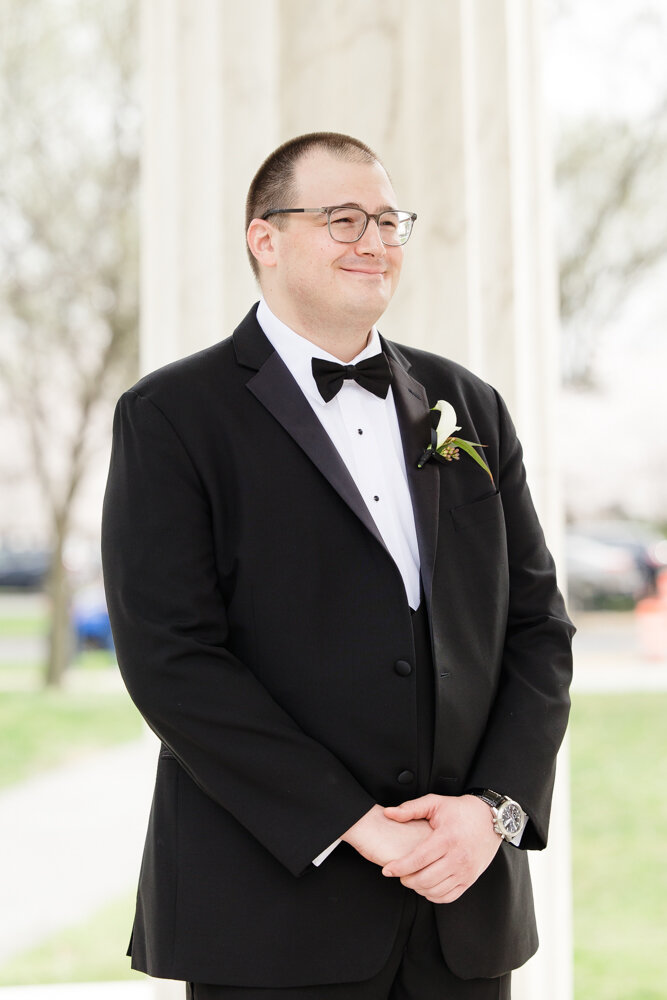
[(347, 224)]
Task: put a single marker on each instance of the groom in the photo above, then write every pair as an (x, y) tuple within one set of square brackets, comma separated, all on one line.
[(353, 652)]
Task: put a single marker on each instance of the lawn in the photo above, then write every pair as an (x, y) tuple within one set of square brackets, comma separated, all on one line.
[(15, 626), (91, 952), (43, 728), (619, 841)]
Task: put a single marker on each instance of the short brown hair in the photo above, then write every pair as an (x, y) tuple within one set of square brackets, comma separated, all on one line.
[(273, 184)]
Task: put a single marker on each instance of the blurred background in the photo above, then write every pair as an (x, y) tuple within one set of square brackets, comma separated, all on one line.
[(71, 121)]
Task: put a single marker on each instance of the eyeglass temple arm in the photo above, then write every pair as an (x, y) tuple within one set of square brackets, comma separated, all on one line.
[(290, 211)]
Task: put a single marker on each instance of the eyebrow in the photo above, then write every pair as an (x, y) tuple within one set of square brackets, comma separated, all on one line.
[(355, 204)]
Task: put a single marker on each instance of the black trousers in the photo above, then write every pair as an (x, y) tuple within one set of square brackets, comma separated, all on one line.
[(416, 969)]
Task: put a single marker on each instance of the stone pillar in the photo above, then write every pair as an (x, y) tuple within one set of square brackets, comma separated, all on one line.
[(448, 92), (210, 118)]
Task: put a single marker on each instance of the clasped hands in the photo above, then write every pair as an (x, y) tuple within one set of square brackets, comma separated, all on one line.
[(438, 845)]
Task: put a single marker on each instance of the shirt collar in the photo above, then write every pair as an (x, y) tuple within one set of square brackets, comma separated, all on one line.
[(297, 352)]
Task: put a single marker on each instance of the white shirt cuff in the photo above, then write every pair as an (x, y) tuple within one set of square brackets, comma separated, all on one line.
[(516, 840), (325, 853)]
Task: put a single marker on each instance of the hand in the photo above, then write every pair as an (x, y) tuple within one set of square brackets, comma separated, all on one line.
[(380, 839), (461, 845)]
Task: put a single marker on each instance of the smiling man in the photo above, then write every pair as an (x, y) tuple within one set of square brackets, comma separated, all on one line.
[(353, 651)]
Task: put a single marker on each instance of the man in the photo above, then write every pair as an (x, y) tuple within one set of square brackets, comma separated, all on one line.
[(354, 654)]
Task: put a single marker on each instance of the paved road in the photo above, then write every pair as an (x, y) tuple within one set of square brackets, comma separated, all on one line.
[(611, 653)]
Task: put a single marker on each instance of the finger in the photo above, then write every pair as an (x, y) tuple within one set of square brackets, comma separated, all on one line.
[(419, 808), (443, 892), (448, 896), (440, 873), (429, 851), (428, 880)]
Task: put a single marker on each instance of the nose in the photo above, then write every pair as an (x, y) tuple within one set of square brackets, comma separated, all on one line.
[(370, 242)]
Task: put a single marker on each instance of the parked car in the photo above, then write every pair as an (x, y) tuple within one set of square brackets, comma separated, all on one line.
[(23, 568), (600, 575), (90, 619), (646, 546)]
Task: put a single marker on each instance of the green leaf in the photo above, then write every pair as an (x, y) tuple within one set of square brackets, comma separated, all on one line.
[(469, 448)]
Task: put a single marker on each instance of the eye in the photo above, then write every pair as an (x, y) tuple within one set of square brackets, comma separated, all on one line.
[(347, 217)]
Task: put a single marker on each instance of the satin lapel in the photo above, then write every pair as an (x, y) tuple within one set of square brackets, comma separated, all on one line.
[(412, 408), (275, 388)]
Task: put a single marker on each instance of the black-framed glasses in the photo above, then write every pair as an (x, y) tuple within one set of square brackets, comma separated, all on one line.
[(348, 224)]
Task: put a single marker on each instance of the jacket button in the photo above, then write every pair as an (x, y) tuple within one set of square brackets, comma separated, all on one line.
[(403, 668), (406, 778)]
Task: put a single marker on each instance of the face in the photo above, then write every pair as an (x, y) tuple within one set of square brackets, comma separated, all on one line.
[(316, 281)]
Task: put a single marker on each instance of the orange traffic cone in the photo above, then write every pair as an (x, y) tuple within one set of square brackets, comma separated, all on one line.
[(651, 618)]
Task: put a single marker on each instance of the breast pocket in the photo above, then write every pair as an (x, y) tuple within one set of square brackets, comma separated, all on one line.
[(469, 515)]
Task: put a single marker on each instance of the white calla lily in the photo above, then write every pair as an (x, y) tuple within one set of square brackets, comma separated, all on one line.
[(447, 446), (447, 423)]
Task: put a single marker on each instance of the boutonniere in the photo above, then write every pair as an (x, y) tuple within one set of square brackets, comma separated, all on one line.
[(443, 445)]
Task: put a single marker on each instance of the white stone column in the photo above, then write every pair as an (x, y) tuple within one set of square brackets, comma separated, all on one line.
[(448, 92), (210, 118)]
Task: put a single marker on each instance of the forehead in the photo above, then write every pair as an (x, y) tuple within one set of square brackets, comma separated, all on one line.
[(324, 179)]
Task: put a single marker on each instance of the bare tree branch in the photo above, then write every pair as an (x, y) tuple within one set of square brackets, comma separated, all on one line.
[(69, 251)]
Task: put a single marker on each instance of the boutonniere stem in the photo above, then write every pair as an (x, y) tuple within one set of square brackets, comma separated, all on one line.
[(444, 446)]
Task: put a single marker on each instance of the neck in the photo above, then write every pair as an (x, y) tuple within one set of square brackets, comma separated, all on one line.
[(343, 345), (343, 338)]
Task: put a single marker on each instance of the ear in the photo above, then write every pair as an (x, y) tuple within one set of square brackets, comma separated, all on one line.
[(262, 239)]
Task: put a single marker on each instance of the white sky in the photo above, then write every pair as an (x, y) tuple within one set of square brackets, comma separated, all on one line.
[(605, 57)]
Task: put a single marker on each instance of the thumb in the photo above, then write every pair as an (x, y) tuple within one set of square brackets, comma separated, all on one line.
[(420, 808)]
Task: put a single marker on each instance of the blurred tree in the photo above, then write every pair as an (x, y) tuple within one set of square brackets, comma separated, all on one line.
[(612, 199), (69, 165), (610, 179)]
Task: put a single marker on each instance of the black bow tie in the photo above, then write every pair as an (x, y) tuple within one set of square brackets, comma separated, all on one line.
[(373, 374)]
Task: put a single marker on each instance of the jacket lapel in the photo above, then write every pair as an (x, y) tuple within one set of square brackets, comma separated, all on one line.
[(273, 386), (276, 390), (413, 410)]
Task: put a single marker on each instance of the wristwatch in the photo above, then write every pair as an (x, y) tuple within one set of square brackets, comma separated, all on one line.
[(509, 819)]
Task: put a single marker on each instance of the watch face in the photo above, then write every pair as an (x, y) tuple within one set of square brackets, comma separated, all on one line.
[(511, 818)]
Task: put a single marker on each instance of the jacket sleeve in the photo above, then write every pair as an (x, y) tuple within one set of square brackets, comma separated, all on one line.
[(517, 755), (171, 631)]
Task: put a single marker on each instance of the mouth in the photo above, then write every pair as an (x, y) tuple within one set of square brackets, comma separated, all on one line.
[(363, 270)]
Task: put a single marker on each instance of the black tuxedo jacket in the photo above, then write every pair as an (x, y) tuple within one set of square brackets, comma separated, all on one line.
[(258, 618)]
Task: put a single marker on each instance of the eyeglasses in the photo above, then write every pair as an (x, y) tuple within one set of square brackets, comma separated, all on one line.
[(347, 225)]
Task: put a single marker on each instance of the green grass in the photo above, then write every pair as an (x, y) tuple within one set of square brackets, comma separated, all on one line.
[(619, 814), (41, 729), (94, 659), (94, 951), (20, 626), (29, 674)]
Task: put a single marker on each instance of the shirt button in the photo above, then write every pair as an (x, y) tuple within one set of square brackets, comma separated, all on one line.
[(405, 778), (403, 668)]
